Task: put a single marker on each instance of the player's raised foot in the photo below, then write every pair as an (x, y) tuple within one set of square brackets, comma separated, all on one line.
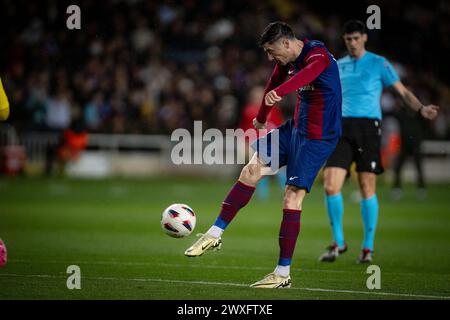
[(365, 256), (333, 251), (273, 281), (3, 255), (204, 243)]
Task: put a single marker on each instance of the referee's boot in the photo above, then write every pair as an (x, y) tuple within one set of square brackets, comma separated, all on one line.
[(333, 251), (365, 256)]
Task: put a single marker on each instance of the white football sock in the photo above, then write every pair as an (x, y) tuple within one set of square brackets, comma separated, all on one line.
[(215, 231), (283, 270)]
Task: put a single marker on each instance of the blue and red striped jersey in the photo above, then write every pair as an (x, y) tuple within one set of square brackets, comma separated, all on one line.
[(315, 77)]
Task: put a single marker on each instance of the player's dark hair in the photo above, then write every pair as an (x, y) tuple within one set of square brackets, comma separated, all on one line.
[(354, 26), (274, 31)]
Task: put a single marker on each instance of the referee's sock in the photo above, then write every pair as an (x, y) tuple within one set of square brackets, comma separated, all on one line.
[(369, 213), (335, 210)]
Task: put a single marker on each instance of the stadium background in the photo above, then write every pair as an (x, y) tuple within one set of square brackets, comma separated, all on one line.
[(136, 71)]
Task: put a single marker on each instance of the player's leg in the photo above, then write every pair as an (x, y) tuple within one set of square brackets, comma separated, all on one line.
[(290, 227), (289, 231), (239, 195), (237, 198), (270, 149), (304, 162), (269, 156), (262, 189), (4, 104)]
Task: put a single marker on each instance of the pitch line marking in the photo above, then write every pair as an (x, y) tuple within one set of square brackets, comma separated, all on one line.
[(175, 265), (231, 284), (179, 265)]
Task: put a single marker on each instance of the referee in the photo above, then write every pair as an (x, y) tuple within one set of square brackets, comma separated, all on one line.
[(363, 76)]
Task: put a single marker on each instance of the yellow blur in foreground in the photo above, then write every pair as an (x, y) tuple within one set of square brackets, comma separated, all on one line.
[(4, 104)]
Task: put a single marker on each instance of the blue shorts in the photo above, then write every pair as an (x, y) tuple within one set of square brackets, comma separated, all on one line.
[(303, 157)]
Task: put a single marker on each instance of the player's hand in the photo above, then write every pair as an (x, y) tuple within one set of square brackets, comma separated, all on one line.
[(272, 98), (258, 125), (429, 112)]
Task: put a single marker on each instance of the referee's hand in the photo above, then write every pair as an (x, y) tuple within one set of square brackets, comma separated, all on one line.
[(429, 112), (258, 125)]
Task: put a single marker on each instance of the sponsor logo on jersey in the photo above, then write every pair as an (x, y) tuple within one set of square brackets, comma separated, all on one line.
[(309, 87)]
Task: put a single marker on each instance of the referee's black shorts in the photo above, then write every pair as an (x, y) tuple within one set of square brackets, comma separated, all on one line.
[(360, 143)]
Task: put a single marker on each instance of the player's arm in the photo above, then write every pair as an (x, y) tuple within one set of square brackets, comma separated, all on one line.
[(4, 104), (301, 79), (316, 63), (429, 111), (277, 77)]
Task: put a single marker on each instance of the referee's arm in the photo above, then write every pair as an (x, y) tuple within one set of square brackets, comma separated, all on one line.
[(429, 111)]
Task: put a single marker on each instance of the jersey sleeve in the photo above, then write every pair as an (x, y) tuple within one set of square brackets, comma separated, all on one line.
[(388, 74), (315, 63), (277, 77)]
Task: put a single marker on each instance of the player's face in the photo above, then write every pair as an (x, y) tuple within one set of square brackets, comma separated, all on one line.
[(278, 51), (355, 43)]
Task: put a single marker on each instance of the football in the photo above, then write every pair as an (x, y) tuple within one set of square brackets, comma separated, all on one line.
[(178, 220)]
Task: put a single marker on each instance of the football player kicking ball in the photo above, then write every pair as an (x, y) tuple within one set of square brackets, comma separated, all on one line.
[(363, 77), (305, 142), (4, 113)]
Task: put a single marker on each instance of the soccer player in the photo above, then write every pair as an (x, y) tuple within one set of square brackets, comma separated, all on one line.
[(363, 77), (4, 104), (304, 144)]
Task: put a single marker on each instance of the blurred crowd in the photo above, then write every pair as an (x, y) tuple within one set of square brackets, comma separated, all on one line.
[(154, 66)]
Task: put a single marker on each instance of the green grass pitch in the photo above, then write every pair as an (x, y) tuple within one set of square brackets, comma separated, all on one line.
[(111, 230)]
